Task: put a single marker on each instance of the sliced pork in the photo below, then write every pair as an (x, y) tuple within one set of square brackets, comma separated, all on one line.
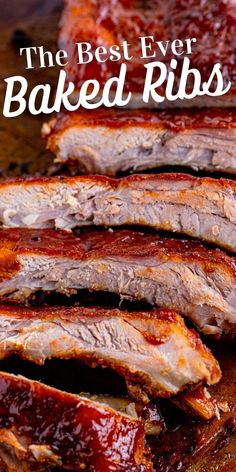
[(200, 207), (106, 141), (179, 274), (42, 428), (154, 351), (105, 23)]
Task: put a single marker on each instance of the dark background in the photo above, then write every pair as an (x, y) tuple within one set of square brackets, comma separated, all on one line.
[(25, 23), (193, 447)]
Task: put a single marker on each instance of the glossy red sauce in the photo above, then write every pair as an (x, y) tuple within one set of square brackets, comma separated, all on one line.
[(77, 430), (212, 22)]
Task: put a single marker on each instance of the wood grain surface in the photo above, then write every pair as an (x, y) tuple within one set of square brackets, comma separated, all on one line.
[(195, 447)]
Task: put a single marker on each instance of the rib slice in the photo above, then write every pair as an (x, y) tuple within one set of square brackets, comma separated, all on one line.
[(153, 350), (107, 23), (173, 273), (43, 426), (106, 141), (204, 208)]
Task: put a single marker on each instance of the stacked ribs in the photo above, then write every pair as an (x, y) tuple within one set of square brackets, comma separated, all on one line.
[(167, 240)]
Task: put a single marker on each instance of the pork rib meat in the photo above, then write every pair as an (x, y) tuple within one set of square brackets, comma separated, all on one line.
[(204, 208), (173, 273), (153, 350), (106, 141)]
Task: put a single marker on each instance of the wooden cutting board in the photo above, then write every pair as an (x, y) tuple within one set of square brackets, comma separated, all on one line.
[(191, 447)]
